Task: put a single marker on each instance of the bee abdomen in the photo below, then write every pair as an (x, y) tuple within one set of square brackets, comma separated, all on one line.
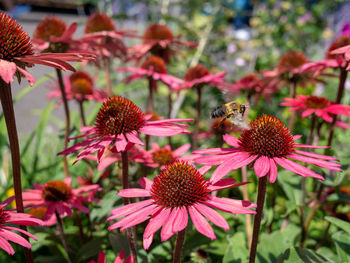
[(218, 112)]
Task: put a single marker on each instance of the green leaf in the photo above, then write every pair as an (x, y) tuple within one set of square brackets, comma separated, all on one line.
[(118, 242), (236, 250), (301, 255), (342, 243), (339, 223), (90, 249), (105, 207)]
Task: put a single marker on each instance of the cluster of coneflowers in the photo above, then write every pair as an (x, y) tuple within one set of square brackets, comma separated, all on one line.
[(181, 190)]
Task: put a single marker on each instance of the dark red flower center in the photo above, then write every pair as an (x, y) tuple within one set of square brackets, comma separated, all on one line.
[(38, 212), (196, 72), (14, 42), (179, 185), (118, 116), (314, 102), (341, 41), (162, 156), (157, 32), (291, 60), (99, 22), (4, 216), (56, 191), (50, 26), (81, 83), (155, 63), (267, 137)]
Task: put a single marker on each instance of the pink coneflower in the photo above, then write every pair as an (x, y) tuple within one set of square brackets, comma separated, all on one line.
[(79, 86), (159, 41), (9, 217), (161, 156), (17, 53), (178, 190), (60, 197), (118, 123), (267, 143), (39, 212), (319, 106), (120, 258)]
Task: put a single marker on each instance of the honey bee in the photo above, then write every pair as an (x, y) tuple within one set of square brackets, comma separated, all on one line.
[(234, 110)]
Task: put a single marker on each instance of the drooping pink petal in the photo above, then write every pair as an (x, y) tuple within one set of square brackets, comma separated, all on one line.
[(129, 209), (311, 146), (101, 257), (133, 138), (15, 238), (204, 169), (147, 242), (224, 183), (182, 150), (6, 245), (20, 230), (230, 205), (28, 76), (262, 166), (200, 223), (146, 183), (321, 163), (23, 219), (7, 202), (273, 171), (315, 155), (156, 222), (7, 70), (296, 168), (181, 220), (307, 113), (216, 159), (231, 140), (134, 192), (212, 215), (167, 229), (215, 151)]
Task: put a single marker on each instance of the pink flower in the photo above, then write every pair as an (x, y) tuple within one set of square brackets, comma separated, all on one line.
[(102, 258), (60, 197), (159, 157), (154, 68), (178, 190), (267, 143), (117, 124), (79, 86), (17, 53), (320, 106), (200, 76), (9, 217), (159, 41), (39, 212)]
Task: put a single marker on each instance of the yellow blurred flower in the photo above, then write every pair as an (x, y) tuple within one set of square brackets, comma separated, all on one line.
[(11, 192), (286, 5), (327, 33)]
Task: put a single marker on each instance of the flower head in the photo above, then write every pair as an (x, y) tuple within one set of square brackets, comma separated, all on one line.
[(17, 53), (117, 125), (98, 22), (267, 143), (341, 41), (159, 41), (40, 212), (179, 189), (153, 67), (320, 106), (162, 156), (9, 217), (59, 196), (79, 86), (50, 26), (199, 76)]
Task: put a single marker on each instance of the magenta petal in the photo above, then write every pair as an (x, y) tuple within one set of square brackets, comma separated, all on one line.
[(321, 163), (146, 183), (231, 140), (15, 238), (21, 231), (156, 222), (215, 150), (225, 183), (204, 169), (311, 146), (28, 76), (231, 205), (315, 155), (200, 223), (167, 229), (147, 242), (273, 171), (212, 215), (133, 138), (182, 150), (7, 70), (134, 192), (181, 220), (129, 209), (6, 246), (296, 168), (7, 201), (215, 159), (307, 113), (261, 166)]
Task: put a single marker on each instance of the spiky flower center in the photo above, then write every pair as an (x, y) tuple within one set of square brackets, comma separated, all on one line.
[(179, 185), (81, 83), (291, 60), (157, 32), (249, 81), (154, 63), (14, 42), (56, 191), (4, 216), (162, 156), (341, 41), (196, 72), (38, 212), (50, 26), (99, 22), (267, 137), (118, 116), (314, 102)]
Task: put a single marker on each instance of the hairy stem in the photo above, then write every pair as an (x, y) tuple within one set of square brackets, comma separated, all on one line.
[(180, 240), (9, 114), (248, 219), (257, 220), (108, 78), (66, 112), (125, 182), (63, 238), (199, 110), (82, 113)]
